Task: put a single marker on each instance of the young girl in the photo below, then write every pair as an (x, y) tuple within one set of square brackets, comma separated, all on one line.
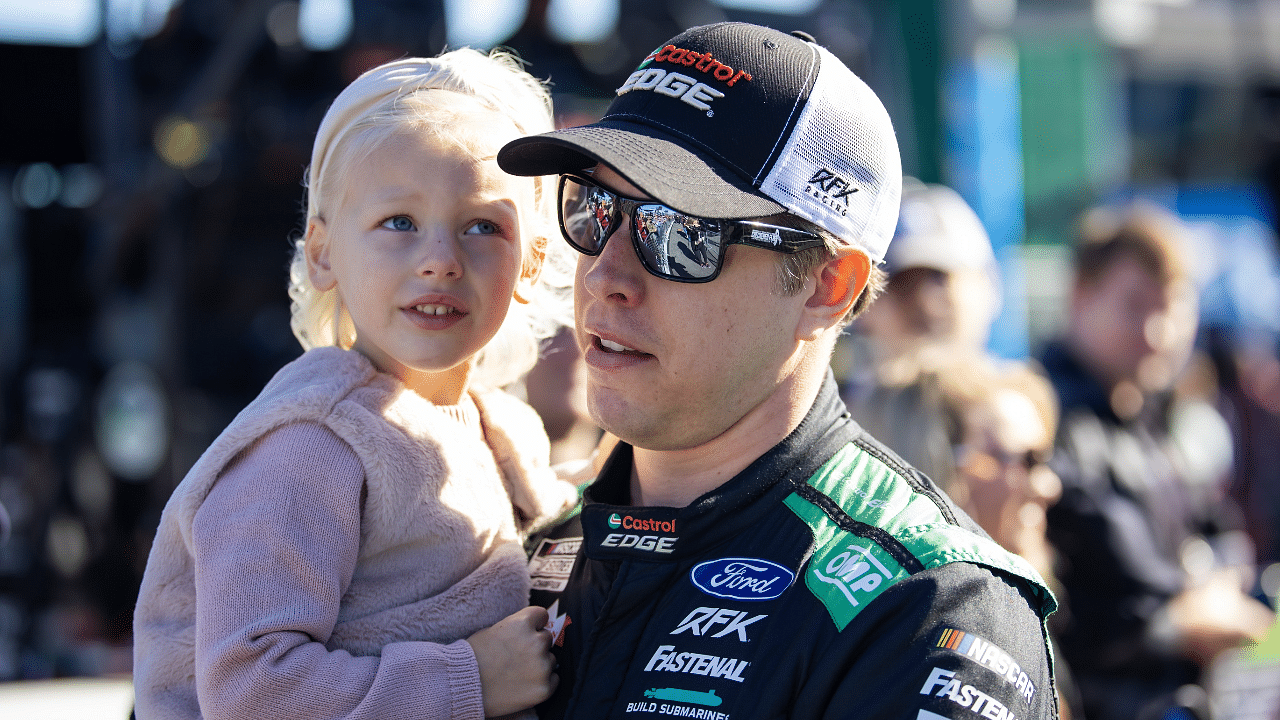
[(350, 545)]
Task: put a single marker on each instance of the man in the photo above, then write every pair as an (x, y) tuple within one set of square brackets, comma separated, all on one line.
[(1147, 571), (747, 551), (941, 299)]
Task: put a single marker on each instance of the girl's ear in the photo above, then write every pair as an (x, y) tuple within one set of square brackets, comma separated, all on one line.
[(837, 283), (317, 250), (530, 270)]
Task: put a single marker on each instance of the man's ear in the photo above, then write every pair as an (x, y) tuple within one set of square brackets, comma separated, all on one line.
[(530, 269), (317, 250), (837, 283)]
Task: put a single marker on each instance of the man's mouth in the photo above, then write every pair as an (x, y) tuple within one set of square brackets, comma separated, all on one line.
[(610, 346)]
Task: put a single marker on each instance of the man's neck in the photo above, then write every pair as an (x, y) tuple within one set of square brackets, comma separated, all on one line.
[(675, 478)]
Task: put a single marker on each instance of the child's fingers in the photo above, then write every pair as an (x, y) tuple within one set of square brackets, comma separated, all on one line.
[(536, 616)]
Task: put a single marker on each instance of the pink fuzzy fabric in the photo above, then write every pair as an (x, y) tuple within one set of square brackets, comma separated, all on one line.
[(331, 548)]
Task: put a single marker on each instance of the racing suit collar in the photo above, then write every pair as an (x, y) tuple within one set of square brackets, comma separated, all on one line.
[(613, 528)]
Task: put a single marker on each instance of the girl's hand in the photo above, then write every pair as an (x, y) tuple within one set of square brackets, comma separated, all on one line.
[(515, 662)]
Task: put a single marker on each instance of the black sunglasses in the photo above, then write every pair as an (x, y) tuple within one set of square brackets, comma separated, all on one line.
[(671, 244)]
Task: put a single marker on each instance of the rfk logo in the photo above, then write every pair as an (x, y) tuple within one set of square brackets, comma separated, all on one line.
[(835, 187), (828, 188)]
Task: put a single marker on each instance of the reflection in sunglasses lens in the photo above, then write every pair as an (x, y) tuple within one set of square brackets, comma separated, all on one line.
[(670, 244), (602, 209)]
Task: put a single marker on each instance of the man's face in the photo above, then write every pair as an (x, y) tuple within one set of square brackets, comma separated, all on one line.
[(1122, 319), (674, 365)]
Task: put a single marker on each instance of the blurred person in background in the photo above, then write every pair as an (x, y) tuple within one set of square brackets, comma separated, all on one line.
[(942, 296), (1153, 579), (1248, 369), (1000, 420), (557, 388)]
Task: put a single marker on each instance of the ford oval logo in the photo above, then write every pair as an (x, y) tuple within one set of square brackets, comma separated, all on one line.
[(742, 578)]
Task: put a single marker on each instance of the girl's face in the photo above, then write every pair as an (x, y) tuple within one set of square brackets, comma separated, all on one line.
[(425, 249)]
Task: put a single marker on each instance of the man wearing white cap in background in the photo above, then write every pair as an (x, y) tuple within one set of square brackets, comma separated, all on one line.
[(747, 551), (941, 299)]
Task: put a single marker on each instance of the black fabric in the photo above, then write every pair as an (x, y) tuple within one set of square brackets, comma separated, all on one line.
[(627, 614)]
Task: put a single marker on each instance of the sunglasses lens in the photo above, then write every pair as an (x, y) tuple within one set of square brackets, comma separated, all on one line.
[(676, 245), (588, 215)]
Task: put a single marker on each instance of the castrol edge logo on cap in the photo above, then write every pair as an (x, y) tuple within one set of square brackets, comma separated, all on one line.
[(693, 91)]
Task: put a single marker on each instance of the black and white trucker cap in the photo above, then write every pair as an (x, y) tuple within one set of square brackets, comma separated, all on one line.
[(735, 121)]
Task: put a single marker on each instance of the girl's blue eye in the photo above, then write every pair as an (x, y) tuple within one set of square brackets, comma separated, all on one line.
[(399, 223), (483, 227)]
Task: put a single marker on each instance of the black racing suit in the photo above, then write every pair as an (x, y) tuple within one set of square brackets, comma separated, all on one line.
[(827, 580)]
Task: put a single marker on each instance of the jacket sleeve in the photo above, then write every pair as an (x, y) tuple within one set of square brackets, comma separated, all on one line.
[(276, 545), (959, 641), (1118, 579)]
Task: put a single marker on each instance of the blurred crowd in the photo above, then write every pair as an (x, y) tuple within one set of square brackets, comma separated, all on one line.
[(1128, 461)]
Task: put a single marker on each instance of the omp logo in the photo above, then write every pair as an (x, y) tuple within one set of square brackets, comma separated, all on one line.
[(673, 84), (666, 658), (742, 578), (830, 190), (964, 695), (705, 619), (615, 521), (848, 572)]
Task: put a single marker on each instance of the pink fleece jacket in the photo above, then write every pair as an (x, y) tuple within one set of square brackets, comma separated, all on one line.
[(326, 555)]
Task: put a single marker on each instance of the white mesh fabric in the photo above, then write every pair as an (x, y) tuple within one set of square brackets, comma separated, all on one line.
[(840, 169)]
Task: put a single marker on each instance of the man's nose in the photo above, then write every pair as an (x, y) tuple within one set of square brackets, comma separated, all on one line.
[(615, 273)]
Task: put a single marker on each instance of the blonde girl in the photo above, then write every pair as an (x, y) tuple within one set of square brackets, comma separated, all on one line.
[(350, 546)]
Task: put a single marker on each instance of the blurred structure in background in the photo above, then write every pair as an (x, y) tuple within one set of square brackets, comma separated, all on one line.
[(152, 151)]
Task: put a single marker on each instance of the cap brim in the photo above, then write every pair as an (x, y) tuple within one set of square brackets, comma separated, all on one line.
[(657, 163)]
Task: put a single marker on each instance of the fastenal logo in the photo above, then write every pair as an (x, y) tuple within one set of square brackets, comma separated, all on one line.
[(615, 521), (965, 695), (742, 578), (831, 190), (668, 659)]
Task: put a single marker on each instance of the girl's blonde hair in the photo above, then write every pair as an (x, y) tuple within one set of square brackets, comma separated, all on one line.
[(436, 95)]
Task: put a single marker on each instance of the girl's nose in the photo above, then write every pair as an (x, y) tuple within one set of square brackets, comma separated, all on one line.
[(439, 256)]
